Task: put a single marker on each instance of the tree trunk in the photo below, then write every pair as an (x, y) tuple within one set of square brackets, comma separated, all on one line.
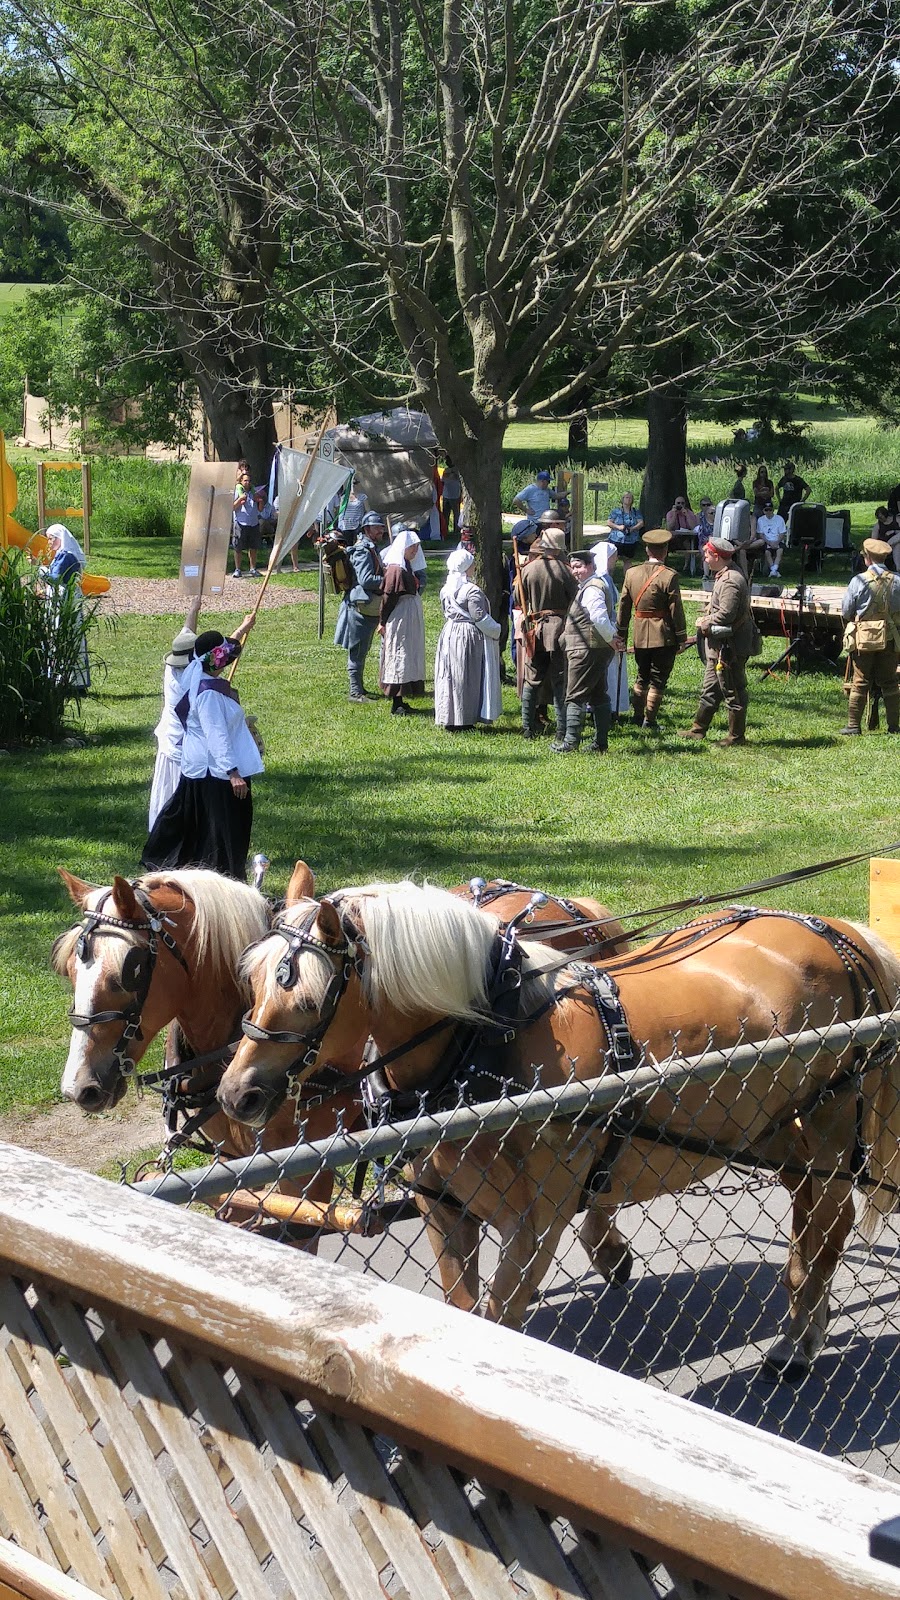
[(665, 476), (241, 422), (479, 461)]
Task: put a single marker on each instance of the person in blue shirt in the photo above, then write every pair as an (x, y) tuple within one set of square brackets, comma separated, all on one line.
[(626, 525), (535, 497)]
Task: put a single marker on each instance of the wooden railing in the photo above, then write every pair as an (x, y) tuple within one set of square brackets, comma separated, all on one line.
[(187, 1409)]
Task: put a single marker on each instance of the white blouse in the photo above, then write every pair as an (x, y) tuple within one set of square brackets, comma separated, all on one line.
[(217, 739)]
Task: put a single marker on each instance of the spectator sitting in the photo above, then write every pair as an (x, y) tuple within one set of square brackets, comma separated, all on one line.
[(535, 497), (626, 525), (705, 531), (792, 488), (893, 504), (772, 527)]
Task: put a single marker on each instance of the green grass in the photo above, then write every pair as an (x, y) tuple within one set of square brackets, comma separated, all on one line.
[(361, 795), (12, 295)]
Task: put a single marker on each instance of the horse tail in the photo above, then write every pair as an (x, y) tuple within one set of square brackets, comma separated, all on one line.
[(881, 1118)]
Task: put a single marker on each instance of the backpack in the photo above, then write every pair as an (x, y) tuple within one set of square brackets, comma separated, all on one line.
[(340, 566)]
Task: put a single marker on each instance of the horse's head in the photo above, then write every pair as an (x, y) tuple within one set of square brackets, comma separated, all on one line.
[(129, 980), (299, 974)]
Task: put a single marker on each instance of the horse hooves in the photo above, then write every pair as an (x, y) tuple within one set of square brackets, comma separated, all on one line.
[(616, 1269), (785, 1361)]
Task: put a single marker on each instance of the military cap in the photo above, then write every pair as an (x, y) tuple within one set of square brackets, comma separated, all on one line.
[(723, 546), (550, 519), (373, 519), (656, 536), (878, 549)]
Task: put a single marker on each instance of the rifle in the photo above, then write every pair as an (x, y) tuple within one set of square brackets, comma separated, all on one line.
[(519, 594)]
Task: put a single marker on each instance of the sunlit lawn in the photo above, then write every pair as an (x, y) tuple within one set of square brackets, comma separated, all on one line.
[(362, 795)]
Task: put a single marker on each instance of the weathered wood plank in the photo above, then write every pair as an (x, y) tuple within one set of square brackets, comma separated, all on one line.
[(19, 1511), (67, 1526), (150, 1486), (87, 1458), (608, 1571), (260, 1488), (23, 1575), (192, 1463), (311, 1488), (378, 1502), (755, 1510), (466, 1547), (528, 1547)]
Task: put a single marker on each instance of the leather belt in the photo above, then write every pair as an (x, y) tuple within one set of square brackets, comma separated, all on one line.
[(653, 616), (534, 615)]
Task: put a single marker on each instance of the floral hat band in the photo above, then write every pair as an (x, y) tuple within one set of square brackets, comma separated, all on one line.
[(221, 655)]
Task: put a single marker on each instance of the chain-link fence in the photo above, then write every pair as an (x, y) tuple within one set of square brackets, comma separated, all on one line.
[(685, 1289)]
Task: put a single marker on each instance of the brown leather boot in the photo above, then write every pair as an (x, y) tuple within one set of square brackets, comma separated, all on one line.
[(856, 705), (737, 722), (638, 704), (654, 701), (702, 718)]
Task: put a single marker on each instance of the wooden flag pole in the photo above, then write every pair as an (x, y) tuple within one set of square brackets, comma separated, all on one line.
[(275, 557)]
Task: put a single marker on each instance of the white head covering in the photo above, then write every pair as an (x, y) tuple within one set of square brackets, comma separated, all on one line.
[(458, 563), (395, 554), (68, 543), (600, 553)]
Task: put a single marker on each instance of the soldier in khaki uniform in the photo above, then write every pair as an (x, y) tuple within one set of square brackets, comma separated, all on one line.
[(873, 597), (730, 639), (652, 593), (548, 589)]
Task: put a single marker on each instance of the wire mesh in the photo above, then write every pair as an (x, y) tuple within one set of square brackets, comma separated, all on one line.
[(502, 1206)]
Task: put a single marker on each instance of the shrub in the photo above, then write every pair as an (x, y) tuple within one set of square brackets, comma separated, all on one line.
[(42, 639)]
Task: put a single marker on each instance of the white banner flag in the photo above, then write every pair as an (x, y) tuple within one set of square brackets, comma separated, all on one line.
[(296, 513)]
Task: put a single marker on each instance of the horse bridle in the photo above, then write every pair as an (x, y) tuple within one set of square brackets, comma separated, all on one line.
[(298, 937), (137, 970)]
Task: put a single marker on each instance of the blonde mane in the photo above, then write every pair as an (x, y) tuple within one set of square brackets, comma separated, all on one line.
[(227, 916)]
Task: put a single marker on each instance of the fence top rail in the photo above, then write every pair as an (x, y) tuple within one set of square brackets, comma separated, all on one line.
[(677, 1479), (587, 1097)]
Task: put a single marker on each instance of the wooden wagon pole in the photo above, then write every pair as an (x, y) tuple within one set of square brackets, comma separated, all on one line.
[(275, 556)]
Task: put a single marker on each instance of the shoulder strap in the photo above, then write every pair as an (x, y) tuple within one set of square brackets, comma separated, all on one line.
[(643, 591)]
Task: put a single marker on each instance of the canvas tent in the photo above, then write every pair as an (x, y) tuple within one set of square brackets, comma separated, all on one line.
[(392, 456)]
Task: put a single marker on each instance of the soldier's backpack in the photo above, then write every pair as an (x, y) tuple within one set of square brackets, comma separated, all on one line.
[(340, 566)]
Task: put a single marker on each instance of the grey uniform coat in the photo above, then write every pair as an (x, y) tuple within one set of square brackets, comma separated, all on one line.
[(352, 627)]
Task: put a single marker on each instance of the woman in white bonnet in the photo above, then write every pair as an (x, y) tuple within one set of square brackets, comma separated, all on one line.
[(63, 572), (605, 556), (401, 623), (467, 663)]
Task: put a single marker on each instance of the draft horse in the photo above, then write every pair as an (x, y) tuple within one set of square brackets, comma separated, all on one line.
[(166, 949), (420, 973)]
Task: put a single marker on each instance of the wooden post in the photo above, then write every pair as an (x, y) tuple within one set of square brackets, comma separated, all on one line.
[(884, 900), (321, 624), (87, 506), (576, 522)]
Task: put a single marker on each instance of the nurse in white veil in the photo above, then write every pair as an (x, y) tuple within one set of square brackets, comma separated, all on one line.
[(605, 557)]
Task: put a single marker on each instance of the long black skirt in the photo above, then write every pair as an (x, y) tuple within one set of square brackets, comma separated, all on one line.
[(203, 825)]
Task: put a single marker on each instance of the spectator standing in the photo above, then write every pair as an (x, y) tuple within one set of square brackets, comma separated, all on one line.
[(548, 589), (207, 821), (763, 489), (651, 594), (893, 504), (792, 489), (350, 516), (402, 623), (360, 607), (730, 637), (626, 524), (738, 490), (772, 527), (169, 731), (451, 499), (467, 662), (245, 521), (871, 609), (590, 640), (535, 497)]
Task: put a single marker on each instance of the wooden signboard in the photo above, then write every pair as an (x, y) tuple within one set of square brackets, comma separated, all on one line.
[(207, 527), (884, 900)]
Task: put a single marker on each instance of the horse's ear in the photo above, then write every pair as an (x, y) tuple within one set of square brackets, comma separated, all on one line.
[(125, 900), (328, 923), (302, 885), (77, 887)]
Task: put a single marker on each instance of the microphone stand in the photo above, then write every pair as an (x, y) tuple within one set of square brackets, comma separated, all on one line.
[(802, 648)]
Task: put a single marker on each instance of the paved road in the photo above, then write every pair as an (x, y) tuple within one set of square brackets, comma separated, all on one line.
[(704, 1303)]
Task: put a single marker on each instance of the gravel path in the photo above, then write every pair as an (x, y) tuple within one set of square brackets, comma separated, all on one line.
[(66, 1134), (162, 597)]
